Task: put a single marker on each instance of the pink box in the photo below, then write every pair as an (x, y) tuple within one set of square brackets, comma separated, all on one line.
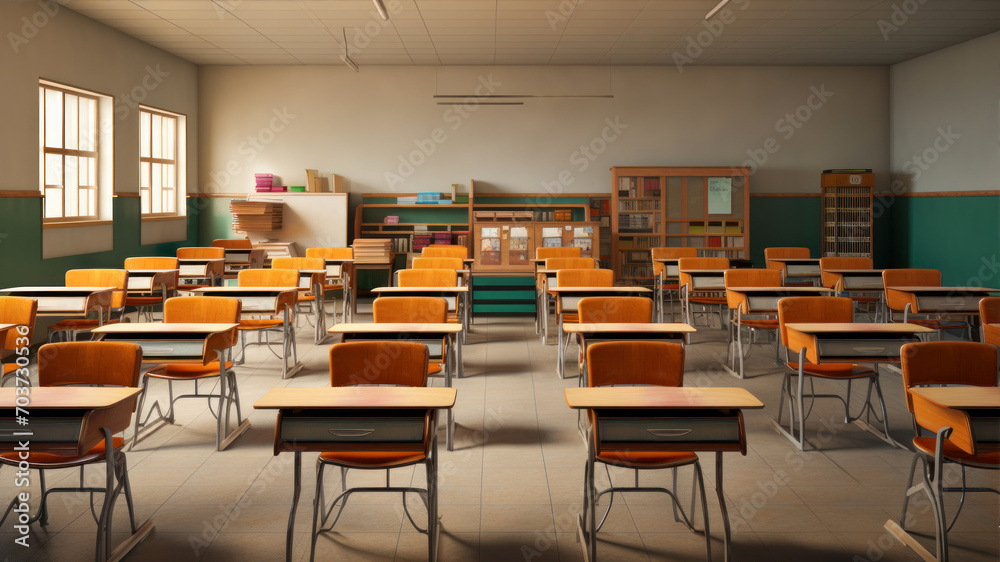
[(392, 219), (279, 188)]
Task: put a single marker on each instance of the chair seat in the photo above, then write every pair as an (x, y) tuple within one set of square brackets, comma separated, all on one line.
[(333, 287), (306, 297), (260, 323), (762, 323), (191, 286), (647, 459), (186, 371), (953, 453), (708, 300), (372, 459), (834, 370), (49, 460), (434, 368), (141, 300)]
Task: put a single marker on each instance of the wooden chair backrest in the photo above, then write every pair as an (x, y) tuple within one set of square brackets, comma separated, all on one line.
[(21, 311), (268, 278), (669, 252), (117, 278), (202, 310), (649, 362), (561, 252), (813, 309), (570, 263), (445, 251), (91, 362), (410, 309), (298, 263), (624, 310), (438, 263), (232, 243), (684, 264), (948, 362), (201, 253), (841, 262), (378, 362), (585, 277), (748, 278), (151, 262), (428, 278), (782, 252), (989, 310), (330, 253), (907, 278)]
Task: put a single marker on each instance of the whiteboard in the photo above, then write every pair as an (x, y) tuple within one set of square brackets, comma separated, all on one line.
[(309, 220)]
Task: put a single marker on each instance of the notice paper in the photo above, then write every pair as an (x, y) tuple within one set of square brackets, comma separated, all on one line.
[(720, 196)]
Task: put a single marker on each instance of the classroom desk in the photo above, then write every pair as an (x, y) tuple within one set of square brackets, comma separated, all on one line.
[(801, 268), (991, 334), (174, 342), (266, 301), (858, 281), (971, 414), (304, 414), (71, 302), (191, 269), (236, 259), (313, 280), (845, 342), (671, 274), (707, 279), (340, 270), (567, 300), (962, 301), (149, 280), (418, 332), (685, 419), (70, 421), (757, 301), (453, 295), (616, 331), (389, 265)]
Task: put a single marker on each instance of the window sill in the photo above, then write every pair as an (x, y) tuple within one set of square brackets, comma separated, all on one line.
[(75, 224), (165, 218)]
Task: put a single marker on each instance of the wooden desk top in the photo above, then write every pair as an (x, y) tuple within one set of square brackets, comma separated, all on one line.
[(464, 289), (387, 327), (558, 290), (644, 327), (857, 327), (163, 328), (804, 290), (661, 397), (704, 271), (961, 397), (237, 290), (58, 290), (81, 397), (911, 289), (146, 272), (356, 397), (339, 260), (200, 260), (795, 260), (855, 271)]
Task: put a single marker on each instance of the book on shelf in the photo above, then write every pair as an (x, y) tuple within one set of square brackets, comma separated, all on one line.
[(651, 187), (372, 250)]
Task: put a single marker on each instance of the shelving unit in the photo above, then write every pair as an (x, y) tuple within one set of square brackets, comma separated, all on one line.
[(846, 213), (414, 219), (698, 207)]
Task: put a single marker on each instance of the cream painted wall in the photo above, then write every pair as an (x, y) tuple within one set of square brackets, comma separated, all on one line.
[(372, 127), (45, 40), (945, 119)]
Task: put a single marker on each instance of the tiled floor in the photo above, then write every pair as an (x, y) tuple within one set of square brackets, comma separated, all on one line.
[(512, 488)]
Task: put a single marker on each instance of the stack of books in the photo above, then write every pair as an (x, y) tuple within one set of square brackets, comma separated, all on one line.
[(372, 250), (421, 241), (442, 238), (264, 181)]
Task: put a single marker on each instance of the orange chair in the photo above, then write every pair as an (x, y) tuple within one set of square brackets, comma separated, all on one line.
[(661, 281), (117, 278), (90, 364), (202, 253), (612, 310), (145, 300), (989, 313), (212, 367), (906, 303), (338, 276), (689, 295), (232, 243), (443, 263), (813, 310), (405, 365), (253, 259), (947, 363), (310, 296), (770, 254), (636, 363), (445, 251), (280, 319), (870, 300), (543, 253), (435, 278), (738, 308), (21, 311), (575, 278), (409, 310), (542, 282)]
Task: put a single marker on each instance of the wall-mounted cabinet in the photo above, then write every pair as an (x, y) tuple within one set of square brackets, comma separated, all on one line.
[(696, 207), (509, 246)]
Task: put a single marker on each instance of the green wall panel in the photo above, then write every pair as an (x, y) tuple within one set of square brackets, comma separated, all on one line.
[(21, 243), (214, 218), (958, 235)]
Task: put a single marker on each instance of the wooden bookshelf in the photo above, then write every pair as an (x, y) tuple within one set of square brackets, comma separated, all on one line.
[(697, 207), (846, 213)]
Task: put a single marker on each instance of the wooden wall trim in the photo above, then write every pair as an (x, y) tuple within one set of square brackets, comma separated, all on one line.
[(127, 194), (227, 195), (784, 195), (12, 193), (942, 194)]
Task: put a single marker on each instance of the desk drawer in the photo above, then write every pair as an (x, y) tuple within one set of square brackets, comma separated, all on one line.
[(949, 303), (986, 429), (165, 348), (44, 430), (863, 282), (352, 430), (669, 430), (859, 348)]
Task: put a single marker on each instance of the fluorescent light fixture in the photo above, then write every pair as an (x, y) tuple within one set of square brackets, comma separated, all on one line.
[(714, 10), (382, 11), (347, 60)]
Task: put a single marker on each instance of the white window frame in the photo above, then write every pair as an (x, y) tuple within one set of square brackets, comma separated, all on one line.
[(148, 163)]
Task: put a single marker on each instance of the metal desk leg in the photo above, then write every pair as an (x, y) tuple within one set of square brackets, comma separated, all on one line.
[(726, 554), (290, 533), (560, 368), (449, 433)]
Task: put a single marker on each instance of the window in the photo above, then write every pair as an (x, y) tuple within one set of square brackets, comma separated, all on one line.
[(160, 148), (70, 124)]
